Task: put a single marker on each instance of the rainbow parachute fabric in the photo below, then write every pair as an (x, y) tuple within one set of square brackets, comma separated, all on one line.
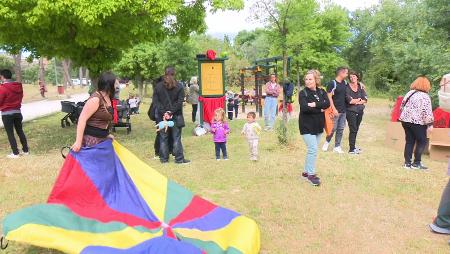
[(106, 200)]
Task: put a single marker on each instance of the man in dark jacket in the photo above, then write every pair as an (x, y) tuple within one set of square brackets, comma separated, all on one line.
[(168, 98), (11, 94)]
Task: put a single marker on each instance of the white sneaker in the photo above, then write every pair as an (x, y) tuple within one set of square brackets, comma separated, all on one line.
[(25, 153), (325, 146), (13, 156), (338, 150)]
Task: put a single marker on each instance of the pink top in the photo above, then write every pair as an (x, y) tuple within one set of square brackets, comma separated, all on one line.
[(220, 131), (272, 89)]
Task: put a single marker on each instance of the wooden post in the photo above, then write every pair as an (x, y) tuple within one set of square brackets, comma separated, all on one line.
[(260, 84)]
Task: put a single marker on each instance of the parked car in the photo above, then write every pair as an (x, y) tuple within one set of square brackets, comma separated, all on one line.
[(76, 82)]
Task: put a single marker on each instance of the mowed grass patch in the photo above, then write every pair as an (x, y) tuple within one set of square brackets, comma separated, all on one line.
[(366, 204)]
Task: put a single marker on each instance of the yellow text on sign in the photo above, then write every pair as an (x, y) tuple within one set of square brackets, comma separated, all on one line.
[(212, 79)]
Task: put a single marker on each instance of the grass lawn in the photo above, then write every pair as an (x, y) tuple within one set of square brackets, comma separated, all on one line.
[(366, 204), (31, 92)]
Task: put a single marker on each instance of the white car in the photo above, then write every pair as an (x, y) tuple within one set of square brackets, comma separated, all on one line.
[(76, 82)]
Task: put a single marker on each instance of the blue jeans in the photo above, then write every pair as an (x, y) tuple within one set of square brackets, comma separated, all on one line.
[(338, 128), (164, 139), (312, 143), (221, 146), (270, 109)]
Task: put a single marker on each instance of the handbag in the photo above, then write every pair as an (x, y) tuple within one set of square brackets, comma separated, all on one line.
[(329, 120), (178, 119)]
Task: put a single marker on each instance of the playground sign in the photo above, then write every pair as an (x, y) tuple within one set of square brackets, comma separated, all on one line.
[(212, 77)]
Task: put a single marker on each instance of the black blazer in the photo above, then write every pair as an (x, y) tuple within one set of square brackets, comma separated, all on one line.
[(312, 120)]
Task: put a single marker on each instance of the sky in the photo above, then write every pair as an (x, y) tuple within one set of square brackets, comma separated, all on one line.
[(231, 22)]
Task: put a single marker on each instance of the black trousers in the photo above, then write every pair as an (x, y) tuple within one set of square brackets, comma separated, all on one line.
[(230, 115), (157, 144), (194, 112), (221, 146), (164, 144), (236, 111), (354, 121), (443, 217), (10, 123), (415, 135)]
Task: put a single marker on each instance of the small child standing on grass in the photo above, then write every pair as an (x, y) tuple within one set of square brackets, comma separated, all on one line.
[(230, 108), (251, 131), (220, 130)]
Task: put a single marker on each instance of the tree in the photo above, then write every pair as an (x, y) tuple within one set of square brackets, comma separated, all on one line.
[(67, 80), (6, 62), (95, 33), (18, 66), (30, 74), (252, 45), (277, 14), (140, 63), (394, 43), (315, 36), (179, 53)]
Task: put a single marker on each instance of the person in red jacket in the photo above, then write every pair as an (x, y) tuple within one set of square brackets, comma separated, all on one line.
[(11, 94)]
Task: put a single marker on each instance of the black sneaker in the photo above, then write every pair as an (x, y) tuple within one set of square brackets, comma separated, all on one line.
[(184, 161), (163, 161), (354, 152), (407, 165), (418, 165), (314, 180)]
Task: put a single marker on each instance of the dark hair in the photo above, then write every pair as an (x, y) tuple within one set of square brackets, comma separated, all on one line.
[(169, 77), (252, 114), (106, 83), (341, 68), (7, 74), (352, 72)]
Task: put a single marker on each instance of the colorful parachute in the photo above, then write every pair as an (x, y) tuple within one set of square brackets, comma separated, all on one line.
[(106, 200)]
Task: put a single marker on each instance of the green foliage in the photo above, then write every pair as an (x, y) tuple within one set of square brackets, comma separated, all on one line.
[(6, 62), (139, 61), (398, 41), (95, 33), (30, 74), (252, 45), (180, 54)]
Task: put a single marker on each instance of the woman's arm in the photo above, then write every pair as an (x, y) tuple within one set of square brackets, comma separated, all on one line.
[(88, 110), (305, 105), (324, 102)]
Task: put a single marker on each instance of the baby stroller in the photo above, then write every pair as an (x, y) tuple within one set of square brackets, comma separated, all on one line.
[(122, 109), (73, 111)]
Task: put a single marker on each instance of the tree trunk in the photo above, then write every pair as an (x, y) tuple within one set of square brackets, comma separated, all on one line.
[(140, 84), (285, 79), (18, 66), (66, 73), (80, 74), (42, 85), (145, 90)]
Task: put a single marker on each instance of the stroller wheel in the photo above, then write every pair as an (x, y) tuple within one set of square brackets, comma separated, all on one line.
[(67, 123), (62, 124)]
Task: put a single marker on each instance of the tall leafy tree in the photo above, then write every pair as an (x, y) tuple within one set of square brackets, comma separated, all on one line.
[(398, 40), (94, 33)]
